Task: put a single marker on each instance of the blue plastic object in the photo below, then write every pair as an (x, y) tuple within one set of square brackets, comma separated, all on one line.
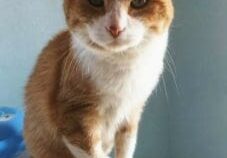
[(11, 127)]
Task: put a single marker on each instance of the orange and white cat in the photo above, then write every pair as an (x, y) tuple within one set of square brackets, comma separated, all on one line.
[(91, 82)]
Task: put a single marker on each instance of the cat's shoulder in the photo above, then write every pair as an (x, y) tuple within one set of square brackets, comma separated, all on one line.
[(60, 43), (58, 47)]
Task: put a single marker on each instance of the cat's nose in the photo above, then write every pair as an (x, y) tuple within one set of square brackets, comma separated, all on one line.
[(115, 30)]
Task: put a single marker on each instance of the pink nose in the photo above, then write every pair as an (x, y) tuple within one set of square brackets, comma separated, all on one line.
[(115, 30)]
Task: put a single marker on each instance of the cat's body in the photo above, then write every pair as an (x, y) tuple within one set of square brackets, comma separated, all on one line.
[(84, 96)]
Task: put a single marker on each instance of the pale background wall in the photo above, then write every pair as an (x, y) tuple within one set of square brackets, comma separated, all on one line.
[(198, 116), (185, 122), (25, 27)]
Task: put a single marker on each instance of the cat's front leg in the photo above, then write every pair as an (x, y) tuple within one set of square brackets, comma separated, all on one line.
[(82, 136), (126, 137), (126, 142), (78, 152)]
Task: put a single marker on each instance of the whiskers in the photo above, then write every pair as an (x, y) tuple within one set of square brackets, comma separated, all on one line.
[(170, 67)]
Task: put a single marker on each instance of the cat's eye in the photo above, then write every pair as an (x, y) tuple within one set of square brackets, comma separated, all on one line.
[(137, 4), (96, 3)]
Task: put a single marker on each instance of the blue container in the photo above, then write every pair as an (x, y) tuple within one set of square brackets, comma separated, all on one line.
[(11, 131)]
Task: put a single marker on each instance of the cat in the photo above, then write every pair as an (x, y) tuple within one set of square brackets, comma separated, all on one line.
[(91, 82)]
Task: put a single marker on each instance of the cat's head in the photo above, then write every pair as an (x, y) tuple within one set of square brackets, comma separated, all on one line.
[(117, 25)]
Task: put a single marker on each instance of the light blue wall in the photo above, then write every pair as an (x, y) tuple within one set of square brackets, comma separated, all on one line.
[(25, 27), (185, 122)]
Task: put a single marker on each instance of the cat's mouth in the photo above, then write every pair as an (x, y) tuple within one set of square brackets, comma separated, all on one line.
[(113, 46), (95, 45), (118, 43)]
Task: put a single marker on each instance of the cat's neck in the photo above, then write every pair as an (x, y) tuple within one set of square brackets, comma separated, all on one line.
[(132, 79)]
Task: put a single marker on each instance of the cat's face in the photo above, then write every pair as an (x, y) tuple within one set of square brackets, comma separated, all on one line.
[(117, 25)]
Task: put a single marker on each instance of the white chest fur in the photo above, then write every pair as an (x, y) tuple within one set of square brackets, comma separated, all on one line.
[(124, 84)]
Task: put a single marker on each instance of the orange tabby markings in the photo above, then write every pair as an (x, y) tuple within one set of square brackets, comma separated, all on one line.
[(91, 82)]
